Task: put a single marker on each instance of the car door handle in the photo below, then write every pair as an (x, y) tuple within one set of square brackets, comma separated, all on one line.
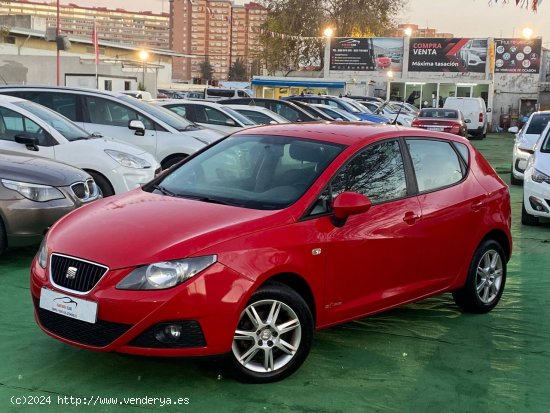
[(476, 206), (410, 217)]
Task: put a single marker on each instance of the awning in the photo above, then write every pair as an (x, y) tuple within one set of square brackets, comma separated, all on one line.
[(302, 83)]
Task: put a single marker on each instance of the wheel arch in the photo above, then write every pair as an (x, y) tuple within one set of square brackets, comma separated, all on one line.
[(501, 237), (93, 171), (172, 156), (298, 284)]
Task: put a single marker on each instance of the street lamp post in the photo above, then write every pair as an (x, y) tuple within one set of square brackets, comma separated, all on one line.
[(143, 56), (390, 77), (328, 33)]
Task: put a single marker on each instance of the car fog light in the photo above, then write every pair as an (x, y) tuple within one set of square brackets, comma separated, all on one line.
[(537, 204), (168, 333)]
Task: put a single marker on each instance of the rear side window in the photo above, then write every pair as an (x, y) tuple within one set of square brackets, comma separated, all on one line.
[(436, 164), (106, 112), (67, 104), (538, 123)]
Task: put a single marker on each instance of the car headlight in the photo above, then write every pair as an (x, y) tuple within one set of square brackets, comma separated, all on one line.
[(540, 177), (42, 254), (166, 274), (523, 152), (34, 192), (127, 160)]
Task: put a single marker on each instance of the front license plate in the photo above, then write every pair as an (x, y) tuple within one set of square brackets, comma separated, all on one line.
[(68, 305), (436, 128)]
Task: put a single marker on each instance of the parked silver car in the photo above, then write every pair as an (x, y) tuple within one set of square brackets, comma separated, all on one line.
[(34, 193)]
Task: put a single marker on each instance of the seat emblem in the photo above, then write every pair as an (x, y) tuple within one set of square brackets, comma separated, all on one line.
[(71, 273)]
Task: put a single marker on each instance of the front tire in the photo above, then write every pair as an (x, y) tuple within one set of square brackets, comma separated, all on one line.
[(526, 218), (485, 281), (514, 180), (103, 183), (273, 336)]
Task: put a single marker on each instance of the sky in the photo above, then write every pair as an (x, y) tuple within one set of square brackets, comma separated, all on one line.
[(463, 18)]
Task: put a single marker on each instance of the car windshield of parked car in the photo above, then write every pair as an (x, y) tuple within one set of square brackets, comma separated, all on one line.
[(438, 113), (537, 124), (356, 107), (258, 172), (163, 114), (60, 123), (243, 119)]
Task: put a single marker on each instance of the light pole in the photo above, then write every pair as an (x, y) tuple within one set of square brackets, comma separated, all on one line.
[(57, 31), (390, 77), (328, 33), (143, 56)]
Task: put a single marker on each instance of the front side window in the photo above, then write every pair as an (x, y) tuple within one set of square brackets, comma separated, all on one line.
[(259, 172), (107, 112), (538, 123), (205, 114), (257, 117), (13, 124), (436, 164), (377, 172)]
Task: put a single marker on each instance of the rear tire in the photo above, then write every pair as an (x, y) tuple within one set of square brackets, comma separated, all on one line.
[(526, 218), (273, 336), (485, 281), (104, 185)]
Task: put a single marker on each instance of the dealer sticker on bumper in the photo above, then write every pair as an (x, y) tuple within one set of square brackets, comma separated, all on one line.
[(68, 306)]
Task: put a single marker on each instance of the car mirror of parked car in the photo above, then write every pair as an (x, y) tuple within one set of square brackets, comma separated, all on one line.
[(349, 203), (31, 142), (138, 126), (513, 129)]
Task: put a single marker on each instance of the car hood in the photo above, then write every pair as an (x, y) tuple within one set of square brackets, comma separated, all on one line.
[(38, 170), (542, 162), (528, 140), (106, 142), (139, 228), (206, 136)]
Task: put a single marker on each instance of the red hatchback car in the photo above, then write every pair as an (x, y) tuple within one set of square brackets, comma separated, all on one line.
[(442, 120), (248, 246)]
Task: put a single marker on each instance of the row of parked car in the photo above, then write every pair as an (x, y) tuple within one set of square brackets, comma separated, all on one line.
[(121, 142)]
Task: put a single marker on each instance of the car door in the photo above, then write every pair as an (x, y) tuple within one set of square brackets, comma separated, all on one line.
[(110, 118), (14, 124), (452, 204), (366, 256)]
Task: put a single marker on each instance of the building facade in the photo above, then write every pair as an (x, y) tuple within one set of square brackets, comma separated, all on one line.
[(216, 31), (143, 28)]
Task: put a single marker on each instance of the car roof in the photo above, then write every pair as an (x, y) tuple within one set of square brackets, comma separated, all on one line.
[(347, 133), (162, 102), (54, 88)]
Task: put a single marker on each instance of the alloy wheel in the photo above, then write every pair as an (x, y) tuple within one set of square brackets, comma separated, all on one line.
[(489, 276)]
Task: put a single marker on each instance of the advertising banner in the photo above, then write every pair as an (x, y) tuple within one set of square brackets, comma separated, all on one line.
[(517, 55), (366, 53), (447, 55)]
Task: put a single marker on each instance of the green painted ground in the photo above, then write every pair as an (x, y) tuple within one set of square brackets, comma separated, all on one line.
[(426, 357)]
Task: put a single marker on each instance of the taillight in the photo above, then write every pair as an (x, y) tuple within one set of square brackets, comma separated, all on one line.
[(415, 123), (481, 117), (455, 128)]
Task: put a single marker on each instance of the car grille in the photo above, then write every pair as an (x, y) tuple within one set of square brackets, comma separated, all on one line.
[(84, 190), (75, 274), (191, 336), (100, 334)]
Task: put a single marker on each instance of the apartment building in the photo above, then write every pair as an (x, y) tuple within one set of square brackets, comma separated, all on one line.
[(143, 28), (215, 30)]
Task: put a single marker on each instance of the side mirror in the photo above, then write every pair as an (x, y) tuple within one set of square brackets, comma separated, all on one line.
[(97, 135), (31, 142), (513, 129), (272, 122), (137, 126), (230, 122), (467, 121), (349, 203)]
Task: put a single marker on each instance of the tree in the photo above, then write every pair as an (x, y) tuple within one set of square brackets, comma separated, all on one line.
[(292, 35), (528, 4), (206, 70), (237, 72)]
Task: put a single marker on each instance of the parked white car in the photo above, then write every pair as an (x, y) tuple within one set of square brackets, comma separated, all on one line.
[(27, 127), (474, 111), (208, 114), (536, 188), (526, 138), (258, 114), (160, 132), (339, 114)]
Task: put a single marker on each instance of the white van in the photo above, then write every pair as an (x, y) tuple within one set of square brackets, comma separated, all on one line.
[(474, 111), (216, 93)]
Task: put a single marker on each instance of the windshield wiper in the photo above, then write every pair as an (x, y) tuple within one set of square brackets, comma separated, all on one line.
[(206, 199), (164, 190)]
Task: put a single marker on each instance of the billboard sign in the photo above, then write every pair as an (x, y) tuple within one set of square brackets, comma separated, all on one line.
[(457, 55), (366, 53), (518, 55)]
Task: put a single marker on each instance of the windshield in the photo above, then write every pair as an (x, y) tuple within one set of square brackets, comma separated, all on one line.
[(438, 113), (243, 119), (358, 108), (538, 123), (158, 112), (258, 172), (59, 122)]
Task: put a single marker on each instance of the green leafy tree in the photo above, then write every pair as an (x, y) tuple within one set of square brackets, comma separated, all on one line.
[(237, 72), (292, 32), (206, 69)]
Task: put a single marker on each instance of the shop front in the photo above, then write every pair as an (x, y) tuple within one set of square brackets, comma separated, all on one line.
[(279, 87)]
